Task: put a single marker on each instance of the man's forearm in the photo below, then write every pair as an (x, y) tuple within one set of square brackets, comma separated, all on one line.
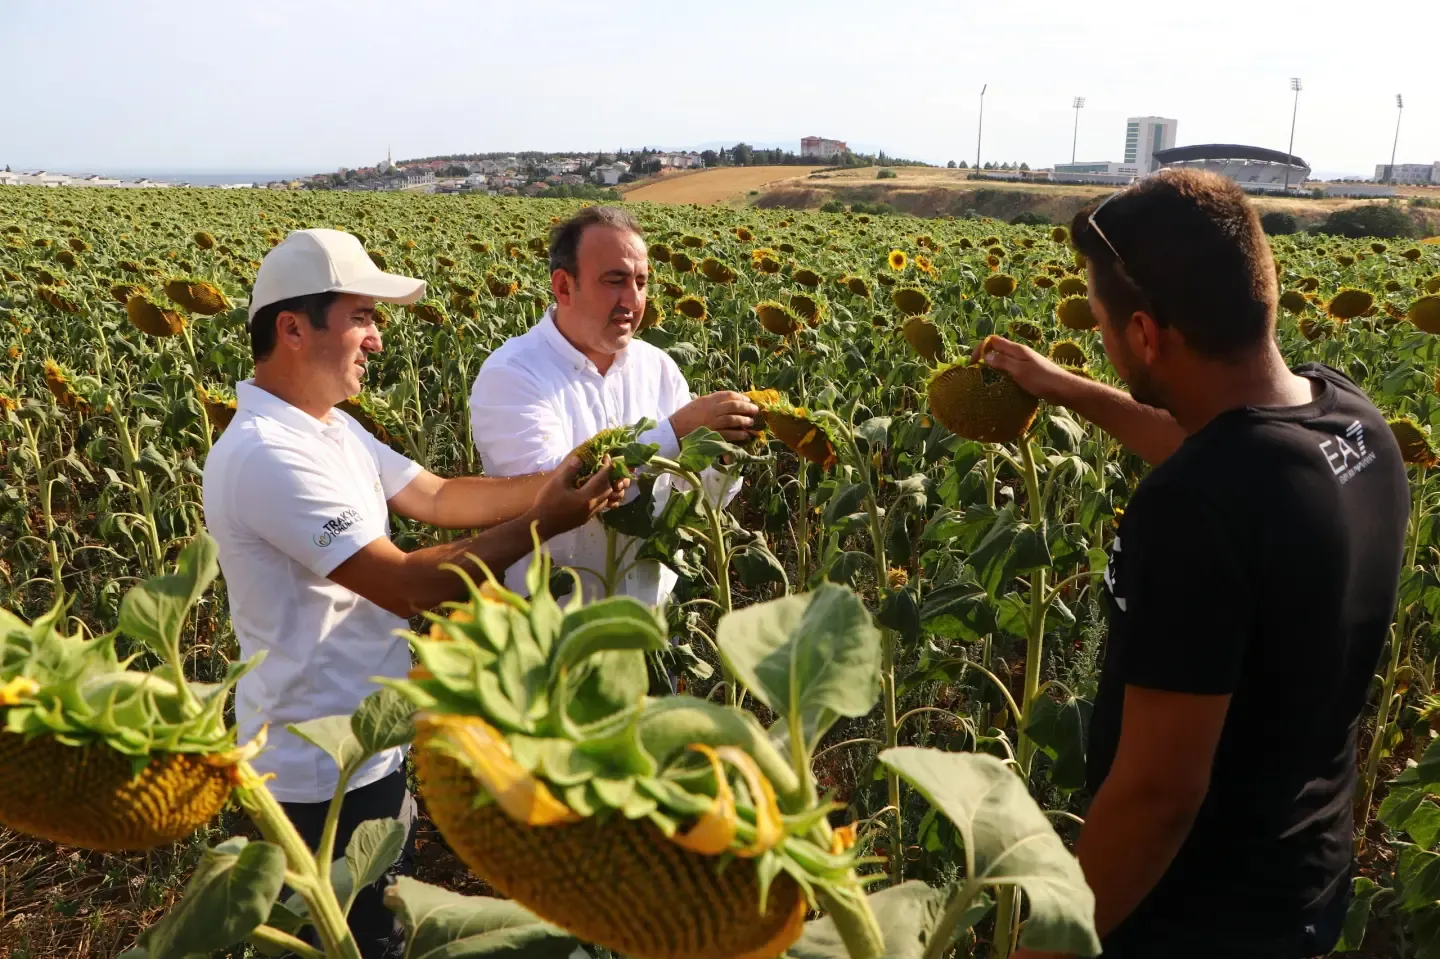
[(480, 502), (427, 585), (1151, 433), (1128, 842)]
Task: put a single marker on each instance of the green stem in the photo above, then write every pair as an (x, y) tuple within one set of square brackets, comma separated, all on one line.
[(42, 482), (270, 936), (1008, 904), (1387, 686), (325, 912), (943, 934), (854, 921)]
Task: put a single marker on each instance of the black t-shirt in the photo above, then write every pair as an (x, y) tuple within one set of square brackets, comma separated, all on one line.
[(1261, 560)]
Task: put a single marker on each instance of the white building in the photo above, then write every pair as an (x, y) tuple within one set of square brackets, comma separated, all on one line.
[(821, 148), (95, 180), (610, 173), (1146, 136), (1096, 168), (1410, 172), (680, 161), (9, 179)]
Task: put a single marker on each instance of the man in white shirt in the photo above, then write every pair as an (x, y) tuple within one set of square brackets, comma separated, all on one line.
[(579, 371), (298, 497)]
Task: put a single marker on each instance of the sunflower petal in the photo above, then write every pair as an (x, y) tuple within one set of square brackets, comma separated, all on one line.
[(769, 827), (714, 831), (15, 690), (484, 750)]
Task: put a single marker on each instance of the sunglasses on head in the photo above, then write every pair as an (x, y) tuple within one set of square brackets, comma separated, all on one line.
[(1119, 260)]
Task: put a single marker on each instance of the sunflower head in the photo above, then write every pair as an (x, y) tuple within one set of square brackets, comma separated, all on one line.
[(924, 338), (806, 277), (777, 318), (716, 271), (1350, 303), (911, 300), (1072, 286), (1074, 313), (858, 286), (1068, 353), (897, 260), (1000, 285), (691, 306), (1425, 313), (1293, 301), (1414, 442), (808, 307)]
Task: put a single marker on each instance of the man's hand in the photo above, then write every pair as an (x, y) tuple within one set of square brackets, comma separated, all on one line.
[(728, 413), (559, 506), (1032, 372)]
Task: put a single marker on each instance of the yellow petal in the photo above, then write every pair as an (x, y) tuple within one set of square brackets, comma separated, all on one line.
[(21, 687), (485, 751), (842, 838), (462, 615), (714, 831), (769, 828)]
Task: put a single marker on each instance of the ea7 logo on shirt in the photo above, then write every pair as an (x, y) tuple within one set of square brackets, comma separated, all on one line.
[(334, 527), (1346, 454)]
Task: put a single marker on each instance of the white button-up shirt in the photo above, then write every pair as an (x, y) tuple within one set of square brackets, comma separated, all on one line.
[(537, 397), (289, 498)]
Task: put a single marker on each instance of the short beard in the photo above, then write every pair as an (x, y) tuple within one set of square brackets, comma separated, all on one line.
[(1143, 388)]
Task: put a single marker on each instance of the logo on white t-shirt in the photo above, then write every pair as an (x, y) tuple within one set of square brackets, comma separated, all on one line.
[(334, 527)]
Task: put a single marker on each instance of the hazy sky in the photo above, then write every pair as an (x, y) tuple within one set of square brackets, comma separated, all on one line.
[(311, 85)]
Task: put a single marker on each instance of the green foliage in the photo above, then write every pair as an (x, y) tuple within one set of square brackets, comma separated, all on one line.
[(1276, 223), (1383, 221), (1029, 218)]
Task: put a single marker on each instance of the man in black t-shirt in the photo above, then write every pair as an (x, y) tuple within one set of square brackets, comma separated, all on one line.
[(1251, 585)]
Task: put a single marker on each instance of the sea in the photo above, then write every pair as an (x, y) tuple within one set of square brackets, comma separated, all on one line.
[(201, 178)]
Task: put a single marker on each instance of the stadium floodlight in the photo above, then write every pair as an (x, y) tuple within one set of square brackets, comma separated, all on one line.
[(980, 127), (1399, 111), (1079, 104), (1294, 85)]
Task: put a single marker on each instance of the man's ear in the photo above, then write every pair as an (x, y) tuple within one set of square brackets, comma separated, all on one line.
[(289, 330), (1143, 336), (562, 284)]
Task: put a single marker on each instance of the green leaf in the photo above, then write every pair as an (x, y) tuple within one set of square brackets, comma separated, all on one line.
[(1357, 915), (961, 611), (231, 892), (373, 848), (846, 500), (440, 924), (1059, 729), (1010, 839), (384, 720), (154, 612), (700, 450), (810, 658), (611, 624), (333, 735), (907, 915)]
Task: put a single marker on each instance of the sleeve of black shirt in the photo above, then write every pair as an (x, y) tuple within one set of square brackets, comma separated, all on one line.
[(1188, 599)]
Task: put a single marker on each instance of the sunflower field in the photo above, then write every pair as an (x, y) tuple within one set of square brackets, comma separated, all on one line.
[(899, 494)]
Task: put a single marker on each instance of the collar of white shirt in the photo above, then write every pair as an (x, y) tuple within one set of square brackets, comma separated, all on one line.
[(258, 401), (566, 350)]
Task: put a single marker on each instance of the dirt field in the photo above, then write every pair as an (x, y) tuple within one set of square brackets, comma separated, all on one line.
[(714, 186)]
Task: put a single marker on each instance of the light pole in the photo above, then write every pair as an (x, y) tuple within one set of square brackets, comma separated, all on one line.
[(1399, 111), (1294, 85), (980, 127), (1078, 105)]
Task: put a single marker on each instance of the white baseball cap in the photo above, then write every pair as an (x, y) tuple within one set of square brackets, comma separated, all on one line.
[(326, 261)]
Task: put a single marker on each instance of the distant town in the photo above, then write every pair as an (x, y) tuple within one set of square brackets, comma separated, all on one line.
[(585, 175), (1149, 145)]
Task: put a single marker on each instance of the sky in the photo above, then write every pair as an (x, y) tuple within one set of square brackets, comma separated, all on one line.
[(313, 85)]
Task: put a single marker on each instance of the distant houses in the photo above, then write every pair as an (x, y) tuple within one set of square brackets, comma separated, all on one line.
[(42, 178)]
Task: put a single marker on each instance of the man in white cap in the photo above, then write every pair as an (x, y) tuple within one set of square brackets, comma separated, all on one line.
[(298, 497)]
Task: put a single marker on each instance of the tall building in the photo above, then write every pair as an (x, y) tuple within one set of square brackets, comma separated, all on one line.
[(1409, 172), (821, 148), (1144, 137)]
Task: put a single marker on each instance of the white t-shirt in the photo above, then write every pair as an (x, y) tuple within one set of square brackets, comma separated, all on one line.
[(537, 397), (289, 498)]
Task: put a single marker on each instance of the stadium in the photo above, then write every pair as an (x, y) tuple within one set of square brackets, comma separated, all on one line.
[(1254, 168)]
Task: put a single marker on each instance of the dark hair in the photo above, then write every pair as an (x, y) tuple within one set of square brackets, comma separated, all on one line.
[(565, 238), (1194, 257), (315, 306)]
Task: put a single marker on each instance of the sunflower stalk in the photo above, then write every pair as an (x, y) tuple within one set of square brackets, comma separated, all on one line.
[(1007, 906), (44, 481), (1384, 720)]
